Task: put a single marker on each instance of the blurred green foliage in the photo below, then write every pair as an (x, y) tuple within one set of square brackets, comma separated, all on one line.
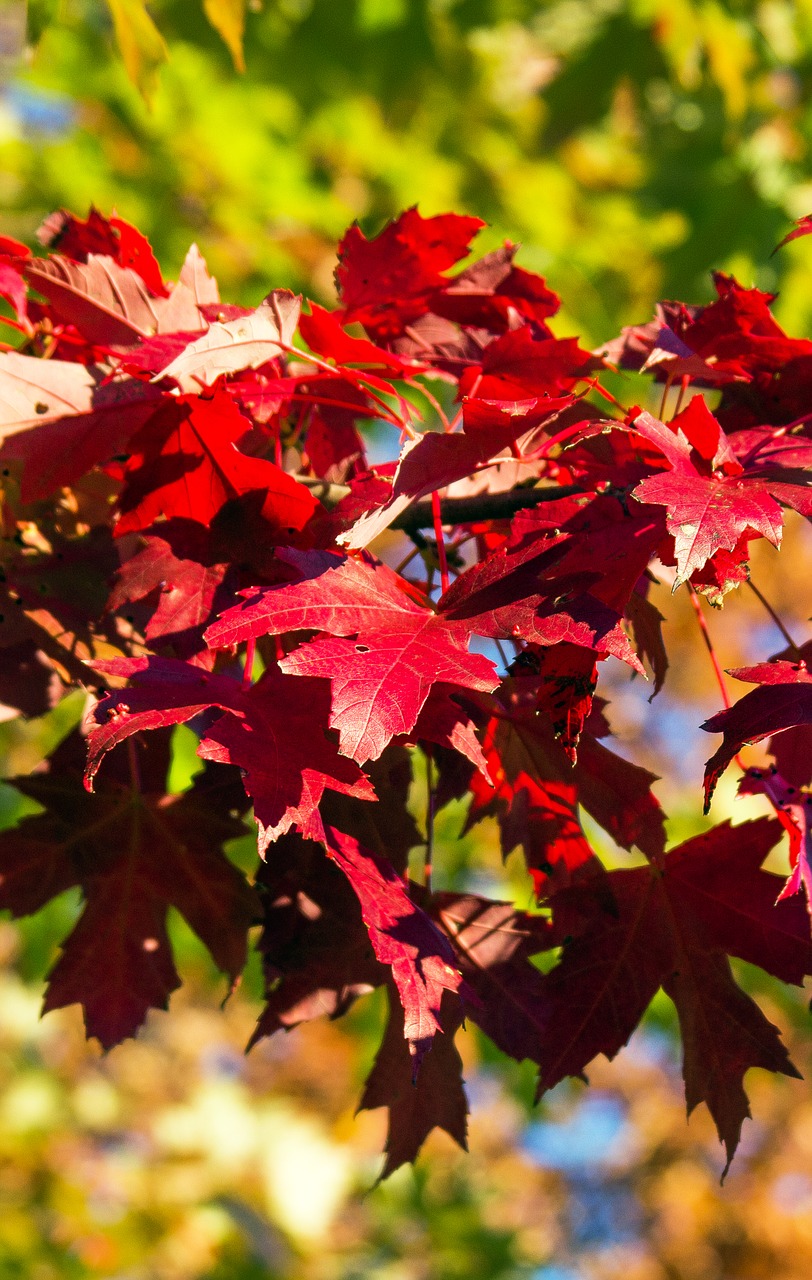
[(629, 146)]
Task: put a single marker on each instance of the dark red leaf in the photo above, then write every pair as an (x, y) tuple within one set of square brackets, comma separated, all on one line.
[(134, 854), (493, 942), (403, 937), (653, 937), (274, 731), (783, 701), (435, 1100)]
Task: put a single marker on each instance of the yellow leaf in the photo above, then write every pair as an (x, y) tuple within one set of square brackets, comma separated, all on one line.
[(228, 19), (141, 43)]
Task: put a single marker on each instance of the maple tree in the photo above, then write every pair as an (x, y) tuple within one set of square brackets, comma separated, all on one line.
[(193, 533)]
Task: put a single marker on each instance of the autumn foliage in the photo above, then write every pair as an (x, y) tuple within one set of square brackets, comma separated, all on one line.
[(190, 523)]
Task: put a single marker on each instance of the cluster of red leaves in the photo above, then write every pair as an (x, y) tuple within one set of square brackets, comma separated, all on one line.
[(188, 511)]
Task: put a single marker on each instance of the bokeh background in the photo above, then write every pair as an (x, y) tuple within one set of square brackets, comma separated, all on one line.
[(630, 148)]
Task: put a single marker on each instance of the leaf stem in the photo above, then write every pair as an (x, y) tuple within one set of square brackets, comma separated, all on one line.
[(664, 397), (776, 619), (432, 399), (502, 653), (686, 378), (717, 667), (703, 627), (427, 863), (135, 768), (438, 534), (247, 671)]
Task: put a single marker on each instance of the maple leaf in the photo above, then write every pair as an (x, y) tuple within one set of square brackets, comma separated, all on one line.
[(184, 463), (196, 279), (387, 827), (335, 450), (735, 335), (244, 343), (445, 722), (420, 957), (712, 503), (517, 366), (273, 731), (793, 808), (109, 305), (705, 514), (566, 573), (536, 792), (324, 334), (671, 928), (77, 238), (51, 604), (176, 562), (58, 419), (382, 677), (434, 1100), (317, 957), (567, 675), (493, 942), (491, 292), (386, 282), (723, 573), (803, 227), (134, 854), (783, 700), (646, 623)]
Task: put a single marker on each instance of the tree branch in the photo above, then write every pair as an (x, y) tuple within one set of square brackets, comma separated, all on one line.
[(480, 506)]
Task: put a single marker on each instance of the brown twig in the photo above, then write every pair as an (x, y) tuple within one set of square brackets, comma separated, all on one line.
[(776, 619)]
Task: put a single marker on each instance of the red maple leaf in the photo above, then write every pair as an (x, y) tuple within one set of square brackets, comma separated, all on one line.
[(493, 942), (176, 565), (518, 366), (134, 853), (403, 938), (317, 957), (435, 1100), (565, 574), (77, 238), (381, 677), (323, 332), (783, 700), (712, 503), (491, 292), (386, 282), (671, 927), (184, 463), (536, 793), (273, 731)]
